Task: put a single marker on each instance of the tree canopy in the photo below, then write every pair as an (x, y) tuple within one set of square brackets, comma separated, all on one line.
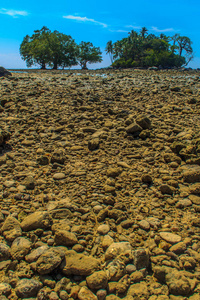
[(55, 49), (147, 50)]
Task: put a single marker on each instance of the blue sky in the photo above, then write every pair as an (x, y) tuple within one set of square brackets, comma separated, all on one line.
[(95, 21)]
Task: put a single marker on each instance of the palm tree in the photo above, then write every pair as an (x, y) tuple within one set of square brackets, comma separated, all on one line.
[(143, 31), (109, 50)]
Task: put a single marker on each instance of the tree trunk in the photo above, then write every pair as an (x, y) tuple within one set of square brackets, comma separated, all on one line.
[(55, 65), (84, 66), (43, 67)]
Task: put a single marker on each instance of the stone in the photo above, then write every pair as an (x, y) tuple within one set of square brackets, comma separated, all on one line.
[(11, 229), (59, 176), (166, 189), (141, 258), (5, 289), (177, 283), (134, 128), (192, 174), (144, 122), (65, 238), (144, 225), (85, 293), (93, 144), (170, 237), (58, 156), (97, 280), (29, 182), (27, 288), (103, 229), (79, 264), (20, 247), (113, 172), (146, 178), (116, 249), (4, 252), (35, 254), (4, 72), (138, 291), (48, 261), (38, 219), (178, 248)]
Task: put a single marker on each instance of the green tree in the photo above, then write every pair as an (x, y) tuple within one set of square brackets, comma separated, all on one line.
[(49, 48), (35, 49), (109, 50), (88, 53), (143, 32)]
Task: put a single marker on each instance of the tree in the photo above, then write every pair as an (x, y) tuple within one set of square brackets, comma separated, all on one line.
[(183, 44), (143, 32), (109, 50), (88, 54), (49, 48), (35, 49), (63, 50)]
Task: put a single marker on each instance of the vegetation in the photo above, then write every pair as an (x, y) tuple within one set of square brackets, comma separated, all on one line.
[(55, 49), (147, 50)]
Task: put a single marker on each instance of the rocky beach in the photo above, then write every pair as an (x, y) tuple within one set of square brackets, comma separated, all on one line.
[(100, 185)]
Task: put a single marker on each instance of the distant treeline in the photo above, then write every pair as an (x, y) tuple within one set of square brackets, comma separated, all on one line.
[(139, 49), (147, 50)]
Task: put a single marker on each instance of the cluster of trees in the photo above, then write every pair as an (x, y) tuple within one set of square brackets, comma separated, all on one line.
[(55, 49), (147, 50), (139, 49)]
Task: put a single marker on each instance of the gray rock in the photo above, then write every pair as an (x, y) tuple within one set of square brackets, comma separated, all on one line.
[(170, 237), (11, 229), (4, 252), (48, 261), (39, 219), (29, 182), (5, 289), (36, 253), (116, 249), (141, 258), (65, 238), (4, 72), (134, 128), (79, 264), (20, 247), (27, 288)]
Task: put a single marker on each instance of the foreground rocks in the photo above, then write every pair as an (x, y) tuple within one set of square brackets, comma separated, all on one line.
[(100, 185)]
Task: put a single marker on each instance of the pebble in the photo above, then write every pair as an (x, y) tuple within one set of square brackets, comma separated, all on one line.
[(170, 237)]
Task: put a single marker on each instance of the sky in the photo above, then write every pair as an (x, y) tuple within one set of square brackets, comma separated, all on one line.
[(96, 22)]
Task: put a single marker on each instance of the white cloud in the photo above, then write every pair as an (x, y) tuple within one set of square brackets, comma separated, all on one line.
[(118, 30), (132, 26), (84, 19), (13, 13), (161, 30)]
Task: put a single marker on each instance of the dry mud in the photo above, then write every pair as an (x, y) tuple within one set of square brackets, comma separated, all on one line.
[(100, 185)]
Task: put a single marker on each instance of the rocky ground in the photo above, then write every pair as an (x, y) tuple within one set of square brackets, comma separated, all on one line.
[(100, 185)]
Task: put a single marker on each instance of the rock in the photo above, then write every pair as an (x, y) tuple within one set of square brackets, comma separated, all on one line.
[(107, 241), (4, 72), (20, 247), (79, 264), (4, 252), (192, 175), (93, 144), (98, 280), (5, 289), (146, 178), (85, 293), (35, 254), (195, 199), (58, 157), (103, 229), (29, 182), (177, 283), (195, 188), (11, 229), (113, 172), (134, 128), (49, 260), (65, 238), (144, 122), (141, 258), (27, 288), (116, 249), (170, 237), (178, 248), (138, 290), (166, 189), (144, 225), (39, 219), (59, 176), (136, 277)]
